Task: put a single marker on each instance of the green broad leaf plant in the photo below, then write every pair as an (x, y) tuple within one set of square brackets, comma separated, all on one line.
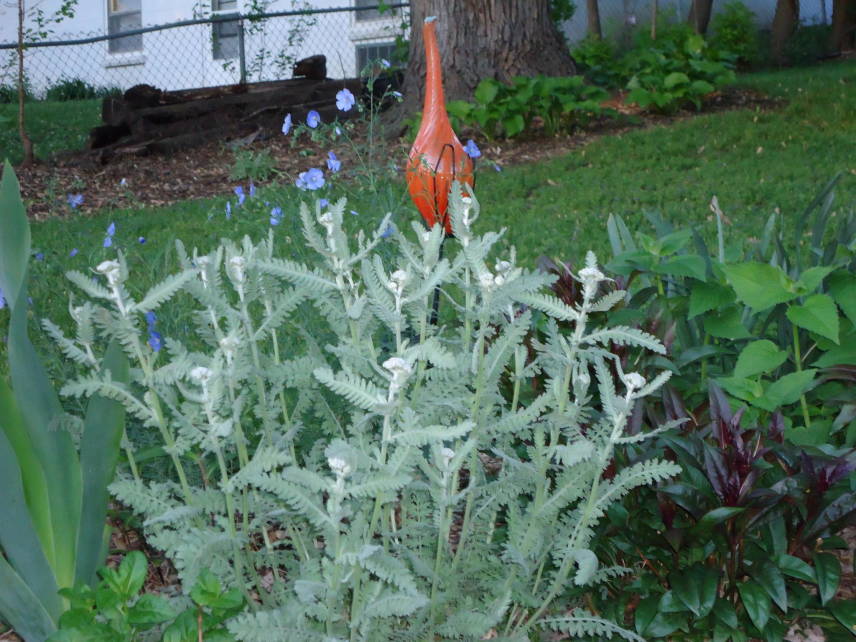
[(53, 492), (742, 543), (381, 485)]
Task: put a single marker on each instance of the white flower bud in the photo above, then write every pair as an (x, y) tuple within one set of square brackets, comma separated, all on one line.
[(239, 267), (634, 381), (591, 276), (326, 220), (426, 236), (503, 267), (448, 455), (112, 270), (396, 282), (398, 367), (202, 263), (339, 466), (201, 375), (486, 281), (229, 344)]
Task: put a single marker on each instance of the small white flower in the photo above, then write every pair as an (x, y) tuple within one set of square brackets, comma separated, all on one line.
[(591, 275), (112, 270), (229, 344), (398, 367), (239, 267), (201, 375), (486, 281), (326, 219), (339, 466), (396, 282), (634, 381), (448, 455), (426, 236), (503, 267)]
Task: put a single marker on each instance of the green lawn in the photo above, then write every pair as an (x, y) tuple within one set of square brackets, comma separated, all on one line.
[(53, 127), (753, 163)]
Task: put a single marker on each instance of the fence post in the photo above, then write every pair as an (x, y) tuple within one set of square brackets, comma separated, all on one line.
[(241, 53)]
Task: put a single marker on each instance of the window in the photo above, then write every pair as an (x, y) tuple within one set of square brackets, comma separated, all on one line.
[(373, 53), (371, 14), (122, 16), (225, 34)]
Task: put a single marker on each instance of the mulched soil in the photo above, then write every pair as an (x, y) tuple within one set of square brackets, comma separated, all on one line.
[(204, 171)]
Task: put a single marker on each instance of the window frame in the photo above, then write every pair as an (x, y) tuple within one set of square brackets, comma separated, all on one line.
[(232, 52), (113, 44)]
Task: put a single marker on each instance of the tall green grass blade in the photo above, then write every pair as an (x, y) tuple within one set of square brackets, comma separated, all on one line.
[(14, 237), (801, 223), (18, 537), (21, 609), (99, 455), (32, 475), (39, 404)]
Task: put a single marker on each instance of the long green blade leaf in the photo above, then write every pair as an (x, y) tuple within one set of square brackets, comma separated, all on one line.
[(14, 237), (32, 475), (21, 608), (39, 404), (18, 537), (99, 455)]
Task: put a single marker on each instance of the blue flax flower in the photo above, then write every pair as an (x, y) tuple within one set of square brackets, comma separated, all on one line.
[(387, 232), (142, 240), (313, 119), (397, 94), (155, 341), (151, 319), (385, 63), (276, 216), (286, 126), (2, 300), (312, 179), (472, 149), (333, 162), (323, 202), (108, 240), (252, 189), (345, 100), (240, 192), (73, 253), (40, 256), (228, 210), (75, 199)]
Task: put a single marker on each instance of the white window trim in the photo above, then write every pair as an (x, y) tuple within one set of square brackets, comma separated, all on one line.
[(124, 59)]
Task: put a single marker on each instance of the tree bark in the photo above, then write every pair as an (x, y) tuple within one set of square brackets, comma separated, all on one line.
[(26, 143), (843, 25), (481, 39), (785, 22), (593, 13), (699, 16)]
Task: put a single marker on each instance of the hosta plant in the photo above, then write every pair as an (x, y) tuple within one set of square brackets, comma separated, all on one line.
[(53, 492), (430, 505)]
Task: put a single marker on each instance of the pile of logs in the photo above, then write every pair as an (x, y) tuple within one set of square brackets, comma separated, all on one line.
[(146, 120)]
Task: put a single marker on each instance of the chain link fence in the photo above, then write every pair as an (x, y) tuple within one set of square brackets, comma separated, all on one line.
[(228, 47), (222, 49)]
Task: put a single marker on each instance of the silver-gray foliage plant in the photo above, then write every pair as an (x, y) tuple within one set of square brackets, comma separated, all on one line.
[(433, 506)]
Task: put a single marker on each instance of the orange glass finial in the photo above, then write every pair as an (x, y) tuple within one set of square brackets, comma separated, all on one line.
[(437, 157)]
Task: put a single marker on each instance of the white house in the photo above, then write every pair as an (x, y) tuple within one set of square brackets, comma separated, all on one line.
[(200, 55)]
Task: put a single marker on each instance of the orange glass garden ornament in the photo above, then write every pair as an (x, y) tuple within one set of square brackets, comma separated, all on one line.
[(437, 157)]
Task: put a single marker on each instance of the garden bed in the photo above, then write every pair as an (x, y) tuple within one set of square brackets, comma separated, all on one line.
[(205, 171)]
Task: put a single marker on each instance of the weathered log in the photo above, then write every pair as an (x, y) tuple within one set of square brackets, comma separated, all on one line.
[(312, 68)]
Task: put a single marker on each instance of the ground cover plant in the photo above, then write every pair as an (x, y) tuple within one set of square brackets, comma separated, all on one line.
[(762, 335)]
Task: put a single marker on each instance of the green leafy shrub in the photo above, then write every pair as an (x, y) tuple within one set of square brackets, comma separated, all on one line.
[(358, 530), (809, 44), (67, 89), (53, 498), (9, 94), (115, 612), (598, 59), (508, 111), (765, 342), (673, 74), (734, 30), (252, 165)]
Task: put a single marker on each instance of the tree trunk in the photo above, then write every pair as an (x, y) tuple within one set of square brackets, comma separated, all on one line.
[(26, 143), (481, 39), (843, 25), (593, 12), (785, 22), (699, 17)]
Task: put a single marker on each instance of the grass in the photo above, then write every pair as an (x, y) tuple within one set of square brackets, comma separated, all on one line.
[(753, 162), (52, 126)]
